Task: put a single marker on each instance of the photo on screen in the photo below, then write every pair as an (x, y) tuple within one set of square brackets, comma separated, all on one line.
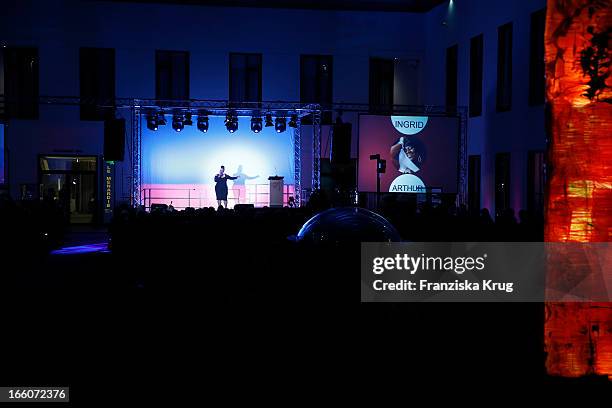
[(421, 153)]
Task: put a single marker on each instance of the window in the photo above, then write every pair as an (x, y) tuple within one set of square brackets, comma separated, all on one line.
[(536, 58), (2, 90), (474, 182), (97, 82), (245, 77), (451, 76), (20, 82), (502, 182), (316, 73), (476, 59), (381, 84), (3, 180), (172, 75), (504, 68), (535, 182)]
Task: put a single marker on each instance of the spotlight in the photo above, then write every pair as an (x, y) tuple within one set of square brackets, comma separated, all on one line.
[(269, 122), (280, 125), (231, 122), (188, 121), (177, 122), (203, 123), (256, 124), (152, 122), (293, 121), (161, 119)]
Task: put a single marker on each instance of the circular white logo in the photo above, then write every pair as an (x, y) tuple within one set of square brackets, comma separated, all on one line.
[(409, 125), (407, 183)]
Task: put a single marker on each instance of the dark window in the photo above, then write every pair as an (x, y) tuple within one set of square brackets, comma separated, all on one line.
[(474, 182), (2, 90), (316, 73), (381, 84), (97, 82), (245, 77), (502, 182), (3, 180), (20, 82), (476, 58), (536, 58), (451, 76), (504, 68), (535, 182), (172, 75)]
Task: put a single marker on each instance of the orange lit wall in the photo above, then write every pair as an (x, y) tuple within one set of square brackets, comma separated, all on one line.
[(578, 336)]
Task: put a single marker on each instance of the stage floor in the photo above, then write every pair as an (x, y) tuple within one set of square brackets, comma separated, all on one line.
[(182, 196)]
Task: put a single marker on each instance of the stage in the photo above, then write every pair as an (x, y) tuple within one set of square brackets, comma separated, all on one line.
[(175, 148), (182, 196)]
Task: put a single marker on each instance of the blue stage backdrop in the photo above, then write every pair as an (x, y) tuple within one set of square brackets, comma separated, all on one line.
[(179, 167)]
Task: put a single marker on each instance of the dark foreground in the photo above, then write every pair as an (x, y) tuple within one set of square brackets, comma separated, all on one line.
[(191, 307)]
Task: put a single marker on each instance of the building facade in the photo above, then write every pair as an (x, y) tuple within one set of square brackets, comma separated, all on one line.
[(62, 48)]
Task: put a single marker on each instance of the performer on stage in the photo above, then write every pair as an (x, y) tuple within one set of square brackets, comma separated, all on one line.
[(221, 186)]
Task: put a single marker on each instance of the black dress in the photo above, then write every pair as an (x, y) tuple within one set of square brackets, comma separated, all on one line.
[(221, 186)]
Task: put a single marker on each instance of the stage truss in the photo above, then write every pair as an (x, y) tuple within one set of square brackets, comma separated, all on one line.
[(133, 109), (142, 107), (314, 112)]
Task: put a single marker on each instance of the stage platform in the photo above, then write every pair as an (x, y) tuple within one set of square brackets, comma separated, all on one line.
[(182, 196)]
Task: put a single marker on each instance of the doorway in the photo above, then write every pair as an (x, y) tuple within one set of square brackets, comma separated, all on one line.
[(71, 183)]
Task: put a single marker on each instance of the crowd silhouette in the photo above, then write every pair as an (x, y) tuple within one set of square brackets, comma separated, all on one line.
[(40, 225), (195, 243), (241, 267)]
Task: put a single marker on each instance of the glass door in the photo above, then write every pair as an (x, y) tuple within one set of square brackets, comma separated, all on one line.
[(70, 184)]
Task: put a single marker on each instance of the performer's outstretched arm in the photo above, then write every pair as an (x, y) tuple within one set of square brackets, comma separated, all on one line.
[(394, 152), (397, 147)]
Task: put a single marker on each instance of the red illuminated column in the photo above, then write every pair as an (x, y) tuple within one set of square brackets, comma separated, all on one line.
[(578, 336)]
